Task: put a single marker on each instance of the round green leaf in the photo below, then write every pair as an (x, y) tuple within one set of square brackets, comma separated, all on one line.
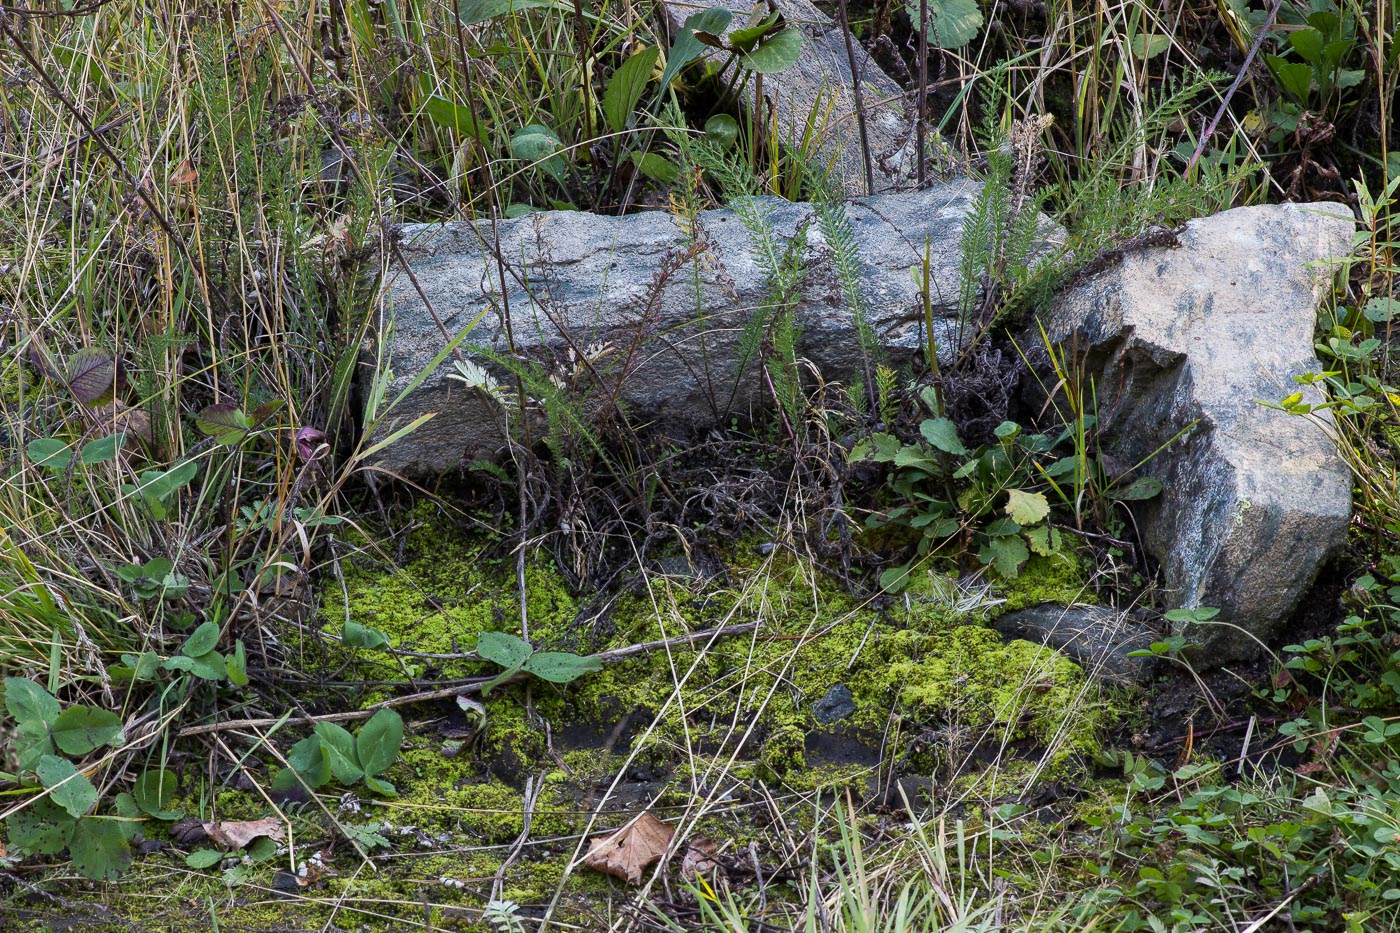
[(154, 790), (26, 701), (40, 828), (537, 144), (202, 640), (69, 789), (943, 434), (102, 449), (99, 848), (204, 858), (81, 729), (49, 452), (722, 129), (952, 24)]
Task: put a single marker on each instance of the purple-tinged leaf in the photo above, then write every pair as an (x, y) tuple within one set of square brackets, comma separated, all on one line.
[(264, 411), (224, 422), (89, 373), (309, 443)]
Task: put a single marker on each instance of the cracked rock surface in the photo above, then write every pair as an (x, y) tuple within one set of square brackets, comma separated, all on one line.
[(632, 314), (1181, 343)]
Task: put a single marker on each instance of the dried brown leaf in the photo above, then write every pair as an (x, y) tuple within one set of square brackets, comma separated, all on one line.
[(630, 851), (701, 858), (236, 835)]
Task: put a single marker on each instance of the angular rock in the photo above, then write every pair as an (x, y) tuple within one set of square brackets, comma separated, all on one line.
[(1097, 638), (821, 82), (1180, 343), (634, 313), (835, 705)]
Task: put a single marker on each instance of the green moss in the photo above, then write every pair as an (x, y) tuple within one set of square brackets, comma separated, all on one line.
[(971, 678), (1055, 579)]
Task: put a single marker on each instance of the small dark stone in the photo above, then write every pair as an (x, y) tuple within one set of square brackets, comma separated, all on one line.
[(285, 882), (835, 706)]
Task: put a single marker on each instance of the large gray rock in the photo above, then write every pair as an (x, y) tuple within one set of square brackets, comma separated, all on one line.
[(821, 83), (634, 309), (1186, 339)]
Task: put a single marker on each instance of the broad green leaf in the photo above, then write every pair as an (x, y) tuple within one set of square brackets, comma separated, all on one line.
[(99, 848), (943, 434), (377, 745), (49, 452), (26, 701), (211, 665), (537, 145), (1382, 310), (1295, 77), (1308, 43), (204, 858), (1148, 45), (454, 116), (1026, 508), (1006, 555), (913, 457), (154, 790), (952, 24), (776, 54), (894, 579), (355, 635), (41, 828), (686, 47), (743, 40), (1144, 487), (69, 789), (81, 729), (1044, 540), (560, 667), (340, 745), (32, 742), (311, 759), (501, 648), (626, 86), (656, 167), (224, 422), (102, 449), (470, 12), (201, 640), (383, 788)]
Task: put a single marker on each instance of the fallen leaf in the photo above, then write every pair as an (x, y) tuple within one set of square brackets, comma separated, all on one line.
[(184, 174), (236, 835), (118, 416), (630, 851), (700, 859)]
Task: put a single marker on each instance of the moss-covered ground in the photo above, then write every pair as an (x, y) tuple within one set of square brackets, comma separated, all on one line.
[(718, 738)]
